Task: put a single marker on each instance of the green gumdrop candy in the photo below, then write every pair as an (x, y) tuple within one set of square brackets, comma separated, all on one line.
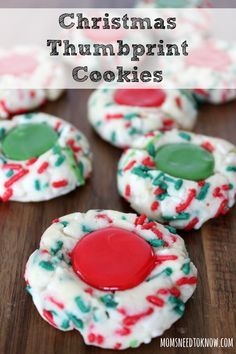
[(28, 141), (184, 160)]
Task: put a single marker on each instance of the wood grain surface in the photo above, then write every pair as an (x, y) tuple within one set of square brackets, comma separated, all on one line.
[(209, 313)]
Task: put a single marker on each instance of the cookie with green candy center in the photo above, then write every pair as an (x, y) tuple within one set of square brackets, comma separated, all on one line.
[(41, 157), (179, 178)]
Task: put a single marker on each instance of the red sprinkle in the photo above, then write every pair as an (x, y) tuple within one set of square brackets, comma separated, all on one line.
[(105, 217), (60, 184), (43, 167), (175, 292), (208, 146), (201, 183), (154, 206), (31, 161), (181, 207), (54, 221), (159, 191), (58, 304), (160, 259), (91, 337), (49, 317), (117, 346), (225, 187), (132, 320), (163, 291), (186, 281), (7, 195), (217, 193), (71, 144), (168, 123), (114, 116), (124, 331), (157, 301), (11, 166), (148, 225), (140, 219), (223, 208), (178, 102), (191, 224), (129, 166), (15, 178), (148, 162), (158, 233), (127, 191)]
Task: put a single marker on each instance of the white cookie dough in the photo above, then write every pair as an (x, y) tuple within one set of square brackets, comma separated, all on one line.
[(27, 66), (212, 61), (120, 124), (57, 171), (118, 319), (183, 203)]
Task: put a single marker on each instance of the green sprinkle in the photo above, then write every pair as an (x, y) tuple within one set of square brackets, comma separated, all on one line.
[(56, 149), (109, 301), (231, 169), (141, 171), (64, 223), (98, 123), (134, 343), (10, 173), (46, 265), (77, 321), (58, 247), (185, 136), (169, 179), (65, 324), (186, 268), (171, 229), (178, 184), (2, 133), (113, 137), (37, 185), (203, 192), (151, 149), (162, 196), (168, 271), (180, 216), (60, 160), (28, 115), (179, 304), (231, 186), (179, 309), (159, 183), (28, 289), (86, 229), (130, 116), (156, 243), (81, 305)]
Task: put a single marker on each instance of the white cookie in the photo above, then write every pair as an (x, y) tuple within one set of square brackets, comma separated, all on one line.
[(118, 122), (27, 66), (51, 158), (183, 201), (110, 319)]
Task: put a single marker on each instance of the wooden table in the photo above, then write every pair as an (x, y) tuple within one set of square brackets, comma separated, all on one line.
[(210, 311)]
